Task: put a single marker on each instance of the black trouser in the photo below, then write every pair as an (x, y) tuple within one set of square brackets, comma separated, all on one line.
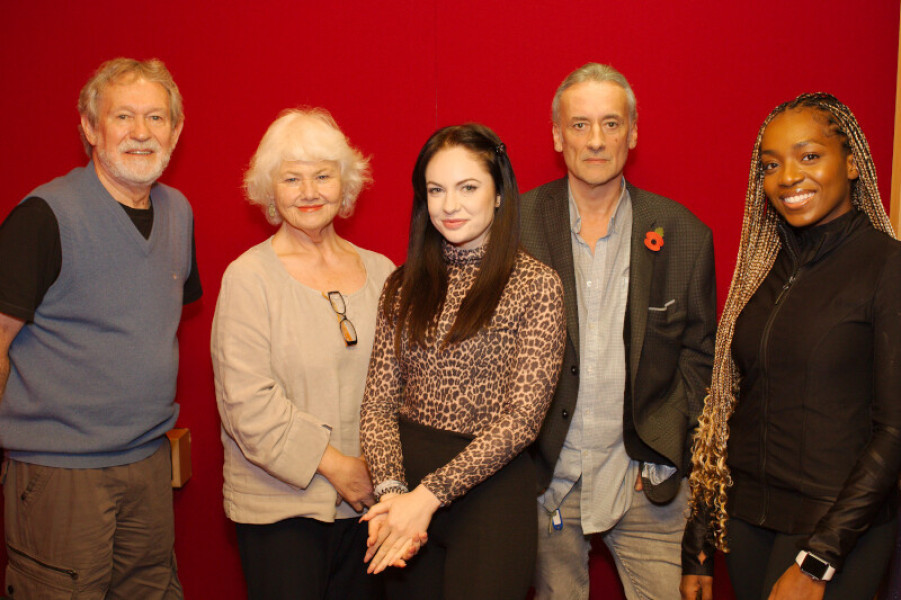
[(759, 556), (894, 586), (482, 546), (306, 559)]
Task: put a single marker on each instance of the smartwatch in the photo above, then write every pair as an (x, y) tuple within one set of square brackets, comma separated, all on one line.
[(814, 567)]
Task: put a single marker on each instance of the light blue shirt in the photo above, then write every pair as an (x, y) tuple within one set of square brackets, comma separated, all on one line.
[(594, 448)]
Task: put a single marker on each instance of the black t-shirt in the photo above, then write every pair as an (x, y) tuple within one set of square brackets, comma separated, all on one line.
[(31, 256)]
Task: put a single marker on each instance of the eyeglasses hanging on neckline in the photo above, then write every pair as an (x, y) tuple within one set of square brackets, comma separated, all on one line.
[(348, 331)]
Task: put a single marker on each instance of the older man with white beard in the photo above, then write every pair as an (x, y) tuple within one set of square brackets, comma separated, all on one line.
[(94, 269)]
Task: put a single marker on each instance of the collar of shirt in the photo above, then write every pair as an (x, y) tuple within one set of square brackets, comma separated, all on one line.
[(575, 219)]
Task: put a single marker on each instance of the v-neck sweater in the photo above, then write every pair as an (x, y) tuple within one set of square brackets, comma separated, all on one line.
[(92, 378)]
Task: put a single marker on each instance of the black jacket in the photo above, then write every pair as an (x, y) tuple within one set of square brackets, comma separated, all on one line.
[(815, 439)]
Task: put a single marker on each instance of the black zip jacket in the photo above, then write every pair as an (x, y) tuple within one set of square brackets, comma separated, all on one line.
[(815, 440)]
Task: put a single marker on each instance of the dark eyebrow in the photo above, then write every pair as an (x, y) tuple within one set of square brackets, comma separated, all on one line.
[(803, 143), (795, 146)]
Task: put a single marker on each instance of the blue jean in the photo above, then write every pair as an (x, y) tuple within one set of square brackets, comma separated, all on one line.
[(645, 543)]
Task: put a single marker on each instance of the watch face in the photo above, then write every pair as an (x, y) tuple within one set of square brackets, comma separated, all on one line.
[(814, 567)]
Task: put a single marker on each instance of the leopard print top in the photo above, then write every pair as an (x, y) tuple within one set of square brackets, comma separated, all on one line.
[(496, 385)]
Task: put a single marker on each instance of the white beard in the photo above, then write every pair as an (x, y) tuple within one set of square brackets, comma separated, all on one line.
[(133, 172)]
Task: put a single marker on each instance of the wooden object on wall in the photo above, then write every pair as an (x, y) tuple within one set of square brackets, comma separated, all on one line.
[(180, 442)]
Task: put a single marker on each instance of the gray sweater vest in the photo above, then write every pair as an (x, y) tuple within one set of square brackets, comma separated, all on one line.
[(92, 379)]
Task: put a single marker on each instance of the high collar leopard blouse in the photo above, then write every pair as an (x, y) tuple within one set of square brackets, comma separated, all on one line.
[(496, 385)]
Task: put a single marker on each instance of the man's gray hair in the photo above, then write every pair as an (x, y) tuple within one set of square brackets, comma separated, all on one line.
[(594, 72), (119, 70)]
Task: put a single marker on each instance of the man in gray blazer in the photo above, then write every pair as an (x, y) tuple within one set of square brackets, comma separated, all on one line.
[(640, 297)]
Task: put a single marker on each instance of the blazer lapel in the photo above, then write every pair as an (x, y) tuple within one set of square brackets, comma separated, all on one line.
[(640, 270), (559, 236)]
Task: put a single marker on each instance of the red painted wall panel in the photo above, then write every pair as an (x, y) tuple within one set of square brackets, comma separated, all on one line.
[(705, 74)]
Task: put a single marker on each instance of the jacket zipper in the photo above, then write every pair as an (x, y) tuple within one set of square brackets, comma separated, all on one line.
[(764, 342), (71, 573)]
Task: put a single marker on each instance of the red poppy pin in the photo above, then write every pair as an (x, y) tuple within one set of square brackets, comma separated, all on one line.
[(653, 240)]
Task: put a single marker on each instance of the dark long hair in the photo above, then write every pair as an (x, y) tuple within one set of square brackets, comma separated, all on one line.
[(419, 287)]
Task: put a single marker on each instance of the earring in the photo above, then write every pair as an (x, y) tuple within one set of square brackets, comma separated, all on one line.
[(497, 201), (271, 210)]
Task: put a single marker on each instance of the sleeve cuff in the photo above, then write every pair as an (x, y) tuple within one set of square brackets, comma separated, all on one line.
[(696, 541), (389, 486), (692, 565)]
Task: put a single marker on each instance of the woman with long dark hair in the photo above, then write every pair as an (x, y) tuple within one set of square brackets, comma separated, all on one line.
[(797, 456), (468, 348)]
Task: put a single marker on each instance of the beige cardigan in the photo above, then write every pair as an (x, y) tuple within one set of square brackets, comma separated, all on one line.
[(287, 386)]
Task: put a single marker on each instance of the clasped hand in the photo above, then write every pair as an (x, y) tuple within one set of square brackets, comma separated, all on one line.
[(397, 528), (349, 476)]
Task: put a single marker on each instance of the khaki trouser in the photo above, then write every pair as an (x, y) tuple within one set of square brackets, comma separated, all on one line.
[(91, 533)]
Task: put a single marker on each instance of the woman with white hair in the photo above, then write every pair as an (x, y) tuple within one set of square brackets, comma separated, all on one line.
[(291, 340)]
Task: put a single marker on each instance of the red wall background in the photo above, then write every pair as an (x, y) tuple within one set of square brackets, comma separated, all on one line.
[(705, 73)]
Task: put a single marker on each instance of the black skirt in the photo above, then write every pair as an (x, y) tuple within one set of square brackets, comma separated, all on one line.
[(483, 544)]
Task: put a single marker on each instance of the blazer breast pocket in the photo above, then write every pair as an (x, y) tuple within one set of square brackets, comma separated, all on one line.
[(666, 324)]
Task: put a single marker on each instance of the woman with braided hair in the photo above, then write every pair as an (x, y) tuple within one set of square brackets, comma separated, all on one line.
[(798, 450)]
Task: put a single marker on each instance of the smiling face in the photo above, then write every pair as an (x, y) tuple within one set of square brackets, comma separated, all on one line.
[(595, 133), (807, 170), (308, 194), (461, 197), (134, 135)]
